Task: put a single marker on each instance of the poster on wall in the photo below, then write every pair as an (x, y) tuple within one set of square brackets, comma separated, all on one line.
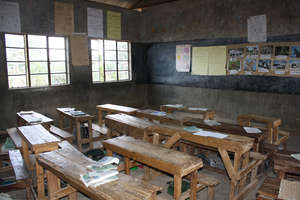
[(295, 67), (279, 66), (264, 66), (257, 28), (282, 52), (295, 52), (10, 17), (183, 58), (266, 52), (95, 22), (234, 67), (114, 29), (252, 52), (249, 66), (64, 18)]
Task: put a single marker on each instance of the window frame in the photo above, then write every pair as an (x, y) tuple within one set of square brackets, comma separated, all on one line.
[(27, 61), (129, 70)]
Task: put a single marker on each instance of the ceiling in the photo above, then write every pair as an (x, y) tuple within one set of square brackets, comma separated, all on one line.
[(133, 4)]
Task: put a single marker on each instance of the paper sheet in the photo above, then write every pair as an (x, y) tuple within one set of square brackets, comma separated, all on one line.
[(289, 190), (10, 17), (174, 105), (211, 122), (199, 61), (252, 130), (64, 18), (201, 109), (192, 129), (183, 58), (257, 28), (114, 25), (158, 113), (211, 134), (79, 50), (95, 22), (296, 156)]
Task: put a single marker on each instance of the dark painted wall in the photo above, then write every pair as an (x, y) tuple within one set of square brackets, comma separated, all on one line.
[(37, 17)]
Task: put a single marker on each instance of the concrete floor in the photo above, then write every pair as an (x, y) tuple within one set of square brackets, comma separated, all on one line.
[(221, 191)]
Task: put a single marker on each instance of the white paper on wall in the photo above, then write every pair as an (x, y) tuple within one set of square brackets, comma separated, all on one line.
[(95, 22), (183, 58), (257, 28)]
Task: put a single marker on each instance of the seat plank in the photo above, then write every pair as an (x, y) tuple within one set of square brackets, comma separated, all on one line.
[(16, 138), (18, 165), (61, 133)]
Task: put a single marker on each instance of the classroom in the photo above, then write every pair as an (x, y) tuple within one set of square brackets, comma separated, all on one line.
[(149, 99)]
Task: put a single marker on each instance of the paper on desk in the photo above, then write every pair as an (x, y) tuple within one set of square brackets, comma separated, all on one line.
[(158, 113), (67, 109), (211, 122), (77, 112), (191, 128), (289, 190), (175, 105), (251, 130), (210, 134), (35, 119), (201, 109), (26, 112), (296, 156)]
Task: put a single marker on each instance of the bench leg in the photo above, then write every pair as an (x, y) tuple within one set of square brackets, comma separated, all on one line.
[(210, 193), (40, 181), (53, 184), (194, 185), (73, 196), (78, 136), (127, 165), (109, 152), (177, 186)]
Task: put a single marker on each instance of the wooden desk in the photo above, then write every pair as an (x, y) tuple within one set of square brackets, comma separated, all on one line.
[(284, 164), (271, 122), (239, 145), (77, 120), (207, 114), (27, 119), (231, 129), (176, 117), (111, 108), (38, 140), (68, 163), (173, 162), (127, 125)]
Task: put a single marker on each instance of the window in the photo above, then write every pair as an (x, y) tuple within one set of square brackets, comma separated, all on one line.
[(36, 60), (110, 60)]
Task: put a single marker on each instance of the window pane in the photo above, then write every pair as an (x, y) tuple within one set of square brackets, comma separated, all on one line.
[(55, 54), (16, 81), (58, 79), (39, 80), (123, 65), (15, 54), (122, 55), (95, 66), (109, 45), (14, 40), (57, 67), (38, 67), (122, 46), (110, 65), (56, 42), (123, 75), (37, 54), (111, 76), (96, 55), (110, 55), (96, 76), (97, 44), (14, 68), (37, 41)]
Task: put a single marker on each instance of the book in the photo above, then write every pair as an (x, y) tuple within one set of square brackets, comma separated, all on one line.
[(26, 112), (108, 160), (211, 122), (196, 109), (252, 130), (174, 105), (158, 113), (191, 128), (77, 112), (92, 178), (102, 168), (110, 179)]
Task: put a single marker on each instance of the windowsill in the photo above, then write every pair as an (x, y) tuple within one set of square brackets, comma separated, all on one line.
[(113, 82), (39, 88)]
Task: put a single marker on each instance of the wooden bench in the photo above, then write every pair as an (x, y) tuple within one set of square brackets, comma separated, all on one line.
[(99, 132), (207, 114), (23, 180), (64, 135), (285, 164), (16, 138), (68, 163), (269, 190)]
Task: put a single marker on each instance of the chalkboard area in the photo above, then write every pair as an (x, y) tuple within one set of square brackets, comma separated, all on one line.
[(161, 64)]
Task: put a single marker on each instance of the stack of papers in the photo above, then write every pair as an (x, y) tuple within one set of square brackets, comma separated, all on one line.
[(67, 109), (158, 113), (211, 134), (200, 109), (192, 129), (175, 105), (211, 122), (103, 171), (26, 112), (252, 130), (77, 112), (296, 156)]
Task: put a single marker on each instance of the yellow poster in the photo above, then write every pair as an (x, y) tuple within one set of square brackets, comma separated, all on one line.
[(114, 29), (199, 61), (64, 18), (79, 50)]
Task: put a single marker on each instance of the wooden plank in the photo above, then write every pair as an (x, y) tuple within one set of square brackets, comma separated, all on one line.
[(112, 108), (18, 165), (167, 160), (28, 118), (16, 138), (60, 133)]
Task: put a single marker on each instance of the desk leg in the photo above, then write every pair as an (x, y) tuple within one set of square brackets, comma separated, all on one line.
[(78, 136), (40, 181), (100, 117), (90, 133), (109, 152), (127, 165), (61, 121), (25, 151), (244, 164), (236, 166), (177, 186), (194, 185), (53, 184), (270, 134)]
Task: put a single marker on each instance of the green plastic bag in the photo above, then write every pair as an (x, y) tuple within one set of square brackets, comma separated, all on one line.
[(8, 145), (184, 187)]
